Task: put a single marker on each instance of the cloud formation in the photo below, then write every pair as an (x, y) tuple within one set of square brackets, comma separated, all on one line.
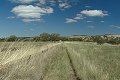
[(11, 17), (114, 26), (23, 1), (30, 12), (64, 5), (89, 21), (102, 21), (70, 20), (79, 16), (30, 20), (75, 19), (94, 13), (88, 13), (43, 7)]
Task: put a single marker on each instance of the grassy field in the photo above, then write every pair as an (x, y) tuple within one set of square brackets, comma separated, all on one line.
[(59, 61), (95, 62)]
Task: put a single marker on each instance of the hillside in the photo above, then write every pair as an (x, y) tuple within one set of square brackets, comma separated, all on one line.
[(59, 61)]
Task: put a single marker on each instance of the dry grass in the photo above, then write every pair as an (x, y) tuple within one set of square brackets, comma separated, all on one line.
[(49, 61), (95, 62), (27, 62)]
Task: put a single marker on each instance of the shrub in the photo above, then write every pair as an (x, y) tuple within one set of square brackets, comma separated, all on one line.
[(12, 38)]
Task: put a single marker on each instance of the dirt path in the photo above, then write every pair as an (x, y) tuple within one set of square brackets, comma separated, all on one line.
[(72, 66)]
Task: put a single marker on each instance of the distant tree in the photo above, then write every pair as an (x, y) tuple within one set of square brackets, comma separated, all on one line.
[(75, 39), (45, 37), (63, 38), (37, 38), (105, 36), (2, 39), (88, 39), (114, 41), (55, 37), (91, 39), (12, 38), (99, 40)]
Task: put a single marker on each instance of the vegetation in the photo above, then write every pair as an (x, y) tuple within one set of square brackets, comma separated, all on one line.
[(12, 38), (57, 37), (94, 62), (59, 61)]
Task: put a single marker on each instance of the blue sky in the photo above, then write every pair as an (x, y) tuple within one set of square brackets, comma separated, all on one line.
[(67, 17)]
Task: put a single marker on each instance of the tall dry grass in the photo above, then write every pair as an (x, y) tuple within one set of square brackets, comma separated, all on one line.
[(25, 60), (95, 62)]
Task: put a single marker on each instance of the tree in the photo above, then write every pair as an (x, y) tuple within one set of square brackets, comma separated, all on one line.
[(114, 41), (99, 40), (37, 38), (2, 39), (55, 37), (12, 38), (63, 38), (45, 37)]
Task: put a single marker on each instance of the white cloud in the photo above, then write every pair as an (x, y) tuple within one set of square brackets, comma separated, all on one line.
[(46, 1), (75, 19), (88, 6), (42, 1), (41, 7), (35, 1), (89, 21), (79, 16), (94, 13), (64, 5), (11, 17), (70, 20), (30, 20), (23, 1), (102, 21), (114, 26), (31, 12)]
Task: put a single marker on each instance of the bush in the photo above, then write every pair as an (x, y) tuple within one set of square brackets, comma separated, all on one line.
[(12, 38), (54, 37), (45, 37), (100, 42), (114, 41)]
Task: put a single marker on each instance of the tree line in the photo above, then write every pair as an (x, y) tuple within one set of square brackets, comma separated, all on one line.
[(57, 37)]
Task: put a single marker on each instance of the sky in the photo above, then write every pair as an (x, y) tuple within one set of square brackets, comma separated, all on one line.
[(66, 17)]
